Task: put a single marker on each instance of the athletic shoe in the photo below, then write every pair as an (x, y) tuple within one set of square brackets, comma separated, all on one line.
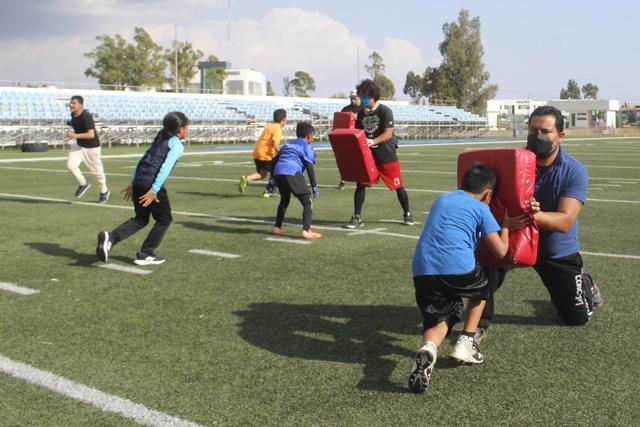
[(422, 368), (310, 234), (266, 195), (465, 351), (597, 296), (408, 219), (341, 185), (82, 189), (355, 222), (481, 333), (276, 231), (104, 246), (148, 259), (243, 184), (104, 197)]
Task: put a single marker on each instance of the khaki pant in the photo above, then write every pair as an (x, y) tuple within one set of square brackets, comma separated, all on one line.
[(91, 158)]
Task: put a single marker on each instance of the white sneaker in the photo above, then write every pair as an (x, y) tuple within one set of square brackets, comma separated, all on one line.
[(104, 246), (465, 351), (423, 367)]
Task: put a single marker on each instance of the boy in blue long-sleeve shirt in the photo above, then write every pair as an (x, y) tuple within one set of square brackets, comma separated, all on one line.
[(288, 169), (148, 192)]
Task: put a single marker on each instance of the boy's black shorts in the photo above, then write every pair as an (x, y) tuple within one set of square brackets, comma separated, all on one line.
[(293, 184), (264, 165), (440, 297)]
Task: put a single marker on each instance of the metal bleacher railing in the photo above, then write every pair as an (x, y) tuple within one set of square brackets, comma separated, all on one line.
[(40, 114)]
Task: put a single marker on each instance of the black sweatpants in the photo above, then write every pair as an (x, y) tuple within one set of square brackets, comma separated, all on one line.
[(161, 213), (563, 278), (295, 184)]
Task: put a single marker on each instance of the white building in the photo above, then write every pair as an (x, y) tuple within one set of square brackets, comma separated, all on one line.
[(506, 108), (578, 113), (245, 82), (583, 113)]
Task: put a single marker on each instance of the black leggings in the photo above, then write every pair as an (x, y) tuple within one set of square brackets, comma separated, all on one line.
[(161, 213), (358, 199), (296, 183)]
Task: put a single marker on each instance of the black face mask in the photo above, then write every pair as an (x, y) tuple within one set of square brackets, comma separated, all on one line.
[(540, 145)]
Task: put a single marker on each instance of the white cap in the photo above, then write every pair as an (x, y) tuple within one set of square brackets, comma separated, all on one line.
[(353, 94)]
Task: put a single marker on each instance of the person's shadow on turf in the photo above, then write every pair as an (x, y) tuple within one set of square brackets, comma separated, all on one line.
[(76, 258), (348, 334)]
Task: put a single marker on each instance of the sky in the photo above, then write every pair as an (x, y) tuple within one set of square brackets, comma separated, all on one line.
[(531, 49)]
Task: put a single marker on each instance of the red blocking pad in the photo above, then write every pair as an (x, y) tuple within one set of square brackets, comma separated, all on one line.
[(353, 155), (515, 169), (344, 120)]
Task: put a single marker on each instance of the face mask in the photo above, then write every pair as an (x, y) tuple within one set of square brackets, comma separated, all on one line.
[(365, 101), (540, 145)]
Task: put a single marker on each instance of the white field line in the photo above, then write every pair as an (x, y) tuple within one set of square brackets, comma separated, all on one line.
[(378, 232), (285, 240), (607, 185), (104, 401), (213, 253), (395, 221), (615, 179), (624, 182), (610, 167), (120, 156), (11, 287), (125, 269), (610, 255)]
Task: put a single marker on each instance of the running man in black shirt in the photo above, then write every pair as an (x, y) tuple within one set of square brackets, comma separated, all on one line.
[(377, 122), (86, 149)]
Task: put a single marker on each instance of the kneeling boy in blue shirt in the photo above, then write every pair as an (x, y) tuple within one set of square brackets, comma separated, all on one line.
[(289, 165), (445, 269)]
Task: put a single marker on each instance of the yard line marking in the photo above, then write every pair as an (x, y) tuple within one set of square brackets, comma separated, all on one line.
[(395, 221), (213, 253), (125, 268), (426, 212), (285, 240), (615, 179), (611, 167), (614, 201), (611, 255), (361, 231), (624, 182), (99, 399), (12, 287), (607, 185)]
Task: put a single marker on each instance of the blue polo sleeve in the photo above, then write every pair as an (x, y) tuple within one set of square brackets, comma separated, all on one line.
[(488, 223), (175, 152), (577, 184)]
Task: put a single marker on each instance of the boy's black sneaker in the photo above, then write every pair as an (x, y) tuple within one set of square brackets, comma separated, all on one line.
[(341, 186), (82, 189), (104, 246), (148, 259), (408, 219), (355, 222)]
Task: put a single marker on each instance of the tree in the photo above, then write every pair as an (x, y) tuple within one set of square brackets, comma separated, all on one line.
[(270, 91), (300, 85), (121, 64), (461, 76), (376, 71), (187, 61), (377, 66), (572, 90), (590, 91), (214, 77)]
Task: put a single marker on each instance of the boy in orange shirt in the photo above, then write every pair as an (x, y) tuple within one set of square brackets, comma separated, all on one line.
[(267, 146)]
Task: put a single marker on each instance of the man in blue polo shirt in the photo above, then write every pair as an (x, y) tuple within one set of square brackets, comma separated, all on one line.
[(560, 191), (288, 167)]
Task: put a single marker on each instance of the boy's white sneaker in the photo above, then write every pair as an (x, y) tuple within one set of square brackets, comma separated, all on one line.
[(423, 366), (465, 351)]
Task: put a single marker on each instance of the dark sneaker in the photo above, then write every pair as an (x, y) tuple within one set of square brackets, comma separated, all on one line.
[(341, 185), (465, 351), (82, 189), (104, 197), (355, 222), (422, 368), (104, 246), (148, 259), (481, 333), (408, 219), (592, 290)]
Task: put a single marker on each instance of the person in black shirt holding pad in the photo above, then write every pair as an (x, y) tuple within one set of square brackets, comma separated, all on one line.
[(377, 122), (86, 149), (354, 107)]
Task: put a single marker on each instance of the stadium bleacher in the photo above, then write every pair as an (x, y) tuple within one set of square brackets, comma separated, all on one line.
[(35, 105)]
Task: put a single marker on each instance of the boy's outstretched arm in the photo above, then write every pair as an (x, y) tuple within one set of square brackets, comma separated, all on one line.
[(312, 179), (498, 242)]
